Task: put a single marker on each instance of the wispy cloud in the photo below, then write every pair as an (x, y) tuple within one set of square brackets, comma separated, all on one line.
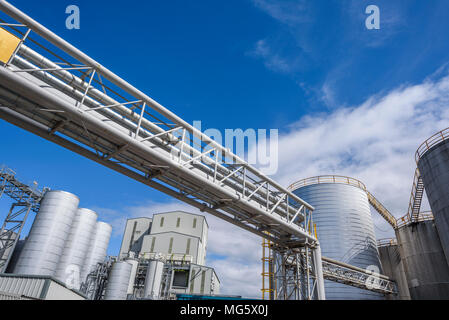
[(272, 60), (374, 142), (288, 12)]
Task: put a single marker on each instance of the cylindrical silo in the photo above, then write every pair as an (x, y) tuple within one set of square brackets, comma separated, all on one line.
[(15, 256), (153, 279), (98, 249), (433, 164), (345, 228), (135, 264), (393, 268), (76, 248), (118, 281), (424, 261), (46, 241)]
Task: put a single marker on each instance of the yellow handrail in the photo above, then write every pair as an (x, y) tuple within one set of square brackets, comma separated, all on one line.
[(327, 179), (431, 142)]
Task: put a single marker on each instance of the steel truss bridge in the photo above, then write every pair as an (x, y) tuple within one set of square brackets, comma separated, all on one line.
[(25, 199), (50, 88)]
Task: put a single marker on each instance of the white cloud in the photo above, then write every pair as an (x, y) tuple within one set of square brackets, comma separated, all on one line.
[(374, 142), (287, 12), (272, 60), (234, 253)]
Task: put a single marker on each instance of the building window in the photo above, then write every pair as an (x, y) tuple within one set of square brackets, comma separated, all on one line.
[(188, 246), (153, 242), (162, 222), (181, 279), (178, 222), (194, 223), (170, 248)]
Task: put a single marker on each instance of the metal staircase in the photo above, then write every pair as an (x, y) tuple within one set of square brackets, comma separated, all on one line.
[(416, 197)]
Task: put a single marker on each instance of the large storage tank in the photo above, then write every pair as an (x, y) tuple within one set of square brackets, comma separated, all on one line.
[(433, 163), (118, 281), (76, 248), (98, 249), (46, 241), (424, 261), (153, 279), (135, 265), (393, 268), (345, 228)]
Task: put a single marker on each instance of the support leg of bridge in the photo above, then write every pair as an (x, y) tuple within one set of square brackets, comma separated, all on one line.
[(318, 262)]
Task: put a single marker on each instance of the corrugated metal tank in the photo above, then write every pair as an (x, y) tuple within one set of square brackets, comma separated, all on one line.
[(345, 228), (153, 279), (434, 168), (98, 248), (15, 256), (135, 264), (48, 235), (424, 261), (393, 268), (118, 281), (76, 248)]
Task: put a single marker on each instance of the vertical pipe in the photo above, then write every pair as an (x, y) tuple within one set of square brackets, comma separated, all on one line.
[(317, 261)]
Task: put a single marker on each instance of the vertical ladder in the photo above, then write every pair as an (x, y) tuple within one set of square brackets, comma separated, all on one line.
[(268, 287)]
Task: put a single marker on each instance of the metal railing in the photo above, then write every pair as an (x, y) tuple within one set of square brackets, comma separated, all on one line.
[(327, 179), (387, 242), (406, 220), (431, 142), (377, 205)]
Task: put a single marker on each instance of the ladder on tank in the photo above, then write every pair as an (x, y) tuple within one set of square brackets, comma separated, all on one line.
[(416, 197)]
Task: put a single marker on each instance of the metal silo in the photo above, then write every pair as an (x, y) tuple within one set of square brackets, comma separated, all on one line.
[(393, 267), (345, 228), (153, 279), (48, 235), (424, 261), (98, 248), (76, 248), (118, 281), (433, 163), (135, 264)]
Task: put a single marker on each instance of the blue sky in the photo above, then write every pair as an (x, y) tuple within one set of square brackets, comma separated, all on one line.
[(286, 65)]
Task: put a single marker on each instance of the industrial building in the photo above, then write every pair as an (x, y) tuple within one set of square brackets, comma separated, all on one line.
[(171, 252), (319, 240)]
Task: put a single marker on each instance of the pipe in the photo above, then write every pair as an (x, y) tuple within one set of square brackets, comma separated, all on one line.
[(42, 97), (82, 57)]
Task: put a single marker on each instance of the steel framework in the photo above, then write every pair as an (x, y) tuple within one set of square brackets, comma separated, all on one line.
[(66, 97), (25, 199), (356, 277)]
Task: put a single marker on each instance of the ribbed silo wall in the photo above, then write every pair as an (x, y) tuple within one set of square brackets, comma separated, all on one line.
[(345, 231), (434, 169), (76, 248), (15, 256), (393, 268), (118, 281), (48, 235), (98, 249), (424, 261)]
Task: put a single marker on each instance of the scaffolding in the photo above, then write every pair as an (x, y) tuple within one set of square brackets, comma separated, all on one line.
[(25, 199)]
